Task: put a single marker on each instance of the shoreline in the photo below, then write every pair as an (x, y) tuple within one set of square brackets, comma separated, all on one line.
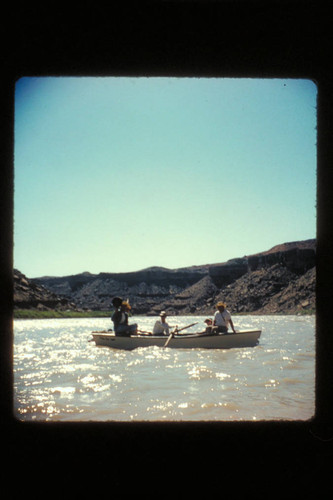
[(33, 314)]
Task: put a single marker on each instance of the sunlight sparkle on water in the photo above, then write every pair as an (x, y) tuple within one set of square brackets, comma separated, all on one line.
[(59, 375)]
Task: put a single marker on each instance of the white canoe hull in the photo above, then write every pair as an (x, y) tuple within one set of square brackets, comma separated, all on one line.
[(191, 341)]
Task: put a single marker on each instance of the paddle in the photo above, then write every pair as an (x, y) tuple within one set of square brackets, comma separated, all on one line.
[(170, 336), (188, 326), (177, 331)]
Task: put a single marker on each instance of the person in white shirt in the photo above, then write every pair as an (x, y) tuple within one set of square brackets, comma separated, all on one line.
[(161, 327), (222, 318)]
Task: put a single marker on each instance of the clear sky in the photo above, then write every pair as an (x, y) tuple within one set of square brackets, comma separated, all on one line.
[(120, 174)]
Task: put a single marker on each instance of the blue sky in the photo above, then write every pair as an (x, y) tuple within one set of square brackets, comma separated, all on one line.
[(120, 174)]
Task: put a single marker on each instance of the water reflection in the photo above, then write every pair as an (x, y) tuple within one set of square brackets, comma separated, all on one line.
[(59, 375)]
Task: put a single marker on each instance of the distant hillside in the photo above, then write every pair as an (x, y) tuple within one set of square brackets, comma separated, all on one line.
[(279, 280)]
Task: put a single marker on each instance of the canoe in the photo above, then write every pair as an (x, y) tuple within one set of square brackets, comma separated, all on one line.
[(248, 338)]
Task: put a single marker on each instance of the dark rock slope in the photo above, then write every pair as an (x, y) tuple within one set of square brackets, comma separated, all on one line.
[(30, 295), (271, 290), (280, 280)]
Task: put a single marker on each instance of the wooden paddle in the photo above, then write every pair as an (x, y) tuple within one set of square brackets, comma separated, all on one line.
[(170, 336), (188, 326), (177, 331)]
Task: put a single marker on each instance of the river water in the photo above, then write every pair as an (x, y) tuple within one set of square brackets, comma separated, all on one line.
[(60, 376)]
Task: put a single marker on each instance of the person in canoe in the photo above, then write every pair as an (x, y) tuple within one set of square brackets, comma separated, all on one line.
[(209, 324), (161, 327), (120, 320), (221, 319)]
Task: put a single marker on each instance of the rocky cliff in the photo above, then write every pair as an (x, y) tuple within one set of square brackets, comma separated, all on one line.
[(144, 288), (280, 280), (31, 295)]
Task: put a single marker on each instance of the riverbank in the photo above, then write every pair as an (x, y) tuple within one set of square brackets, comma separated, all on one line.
[(33, 314)]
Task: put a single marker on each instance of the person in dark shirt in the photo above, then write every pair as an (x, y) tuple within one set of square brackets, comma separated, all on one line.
[(120, 321)]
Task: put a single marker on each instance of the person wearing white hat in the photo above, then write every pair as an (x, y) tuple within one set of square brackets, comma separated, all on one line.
[(222, 318), (161, 327)]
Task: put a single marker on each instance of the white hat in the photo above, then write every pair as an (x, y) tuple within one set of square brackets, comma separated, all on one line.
[(163, 313)]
